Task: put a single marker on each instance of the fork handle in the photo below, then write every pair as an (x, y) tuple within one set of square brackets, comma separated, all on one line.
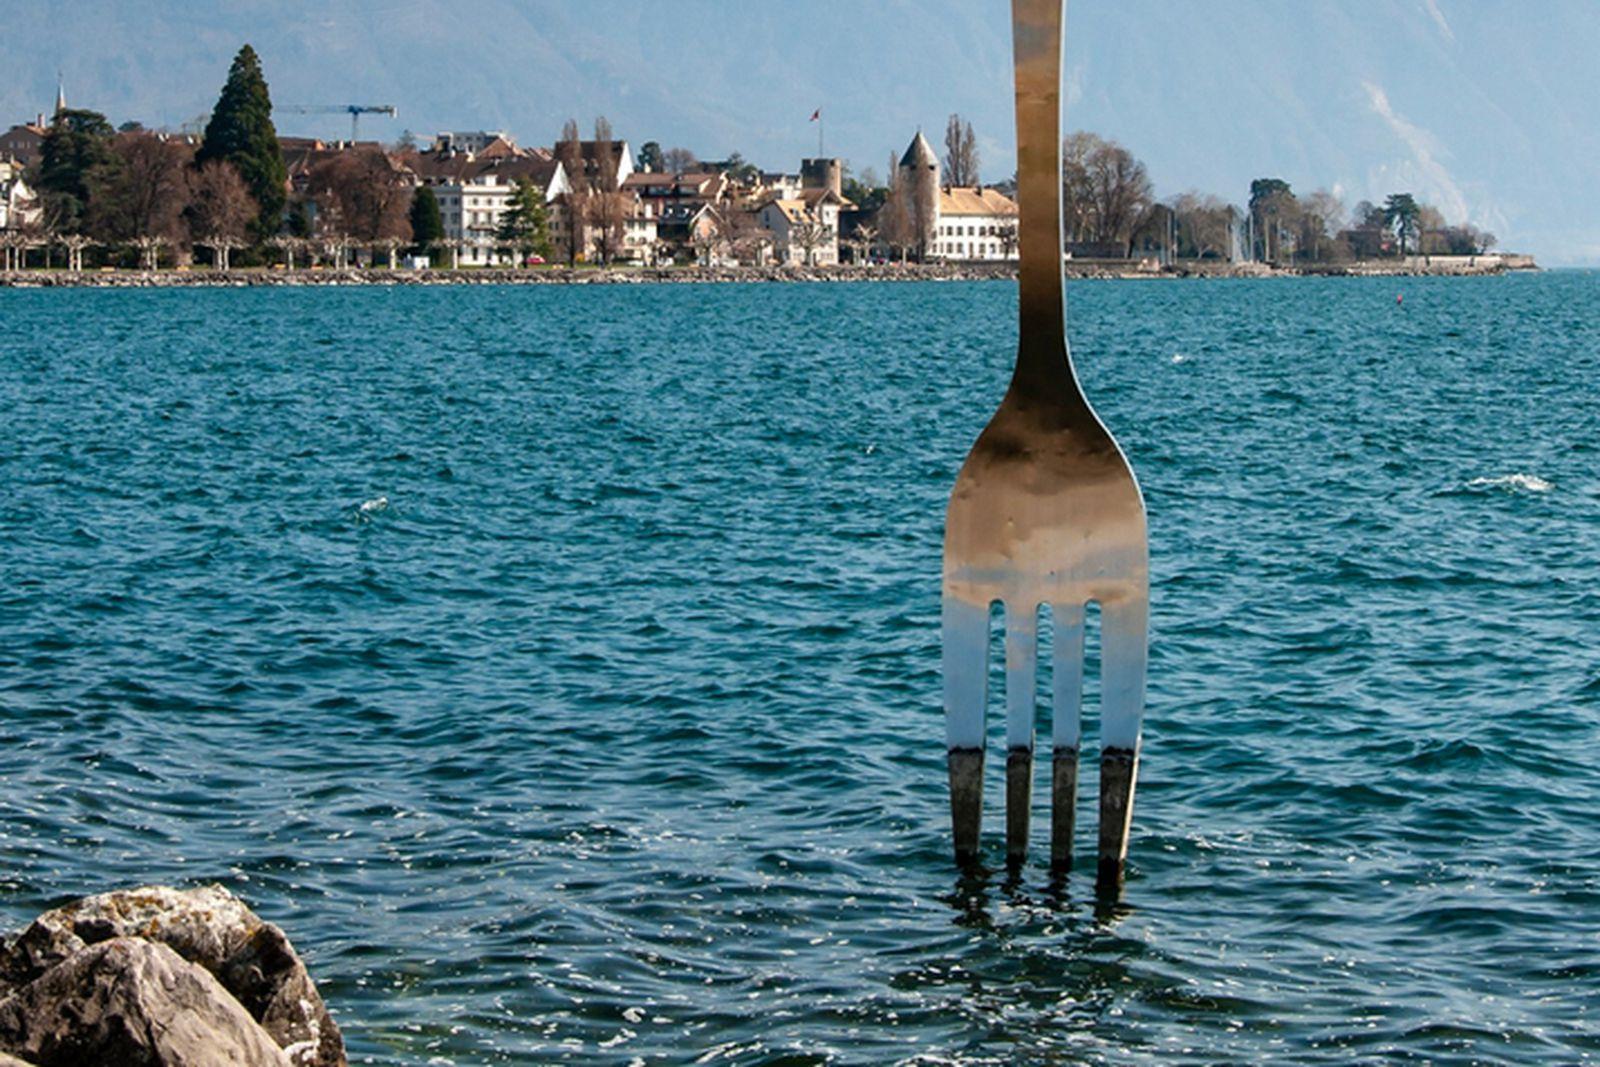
[(1036, 29)]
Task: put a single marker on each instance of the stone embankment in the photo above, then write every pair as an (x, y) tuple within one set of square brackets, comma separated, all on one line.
[(160, 977), (142, 279), (908, 272)]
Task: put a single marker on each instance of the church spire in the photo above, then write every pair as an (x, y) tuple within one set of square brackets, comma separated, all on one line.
[(61, 93)]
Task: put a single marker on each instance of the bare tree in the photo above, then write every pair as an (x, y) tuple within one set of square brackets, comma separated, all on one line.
[(609, 208), (1105, 191), (1431, 236), (16, 248), (679, 161), (860, 242), (732, 226), (894, 217), (753, 246), (221, 211), (1077, 198), (363, 198), (960, 153), (1121, 191), (142, 201), (288, 244), (75, 243), (1322, 217), (812, 236), (574, 204), (1204, 224)]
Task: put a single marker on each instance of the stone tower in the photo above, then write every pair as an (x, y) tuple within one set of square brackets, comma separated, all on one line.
[(919, 181), (823, 174)]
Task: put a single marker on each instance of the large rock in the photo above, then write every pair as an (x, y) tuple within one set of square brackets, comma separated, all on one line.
[(209, 926), (134, 1003)]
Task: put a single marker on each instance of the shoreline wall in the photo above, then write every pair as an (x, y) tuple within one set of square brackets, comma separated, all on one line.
[(1078, 269)]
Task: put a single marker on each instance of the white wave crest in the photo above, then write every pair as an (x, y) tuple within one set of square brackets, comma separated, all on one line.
[(1527, 483)]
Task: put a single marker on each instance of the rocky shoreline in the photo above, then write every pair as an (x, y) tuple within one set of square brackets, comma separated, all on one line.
[(913, 272), (160, 977)]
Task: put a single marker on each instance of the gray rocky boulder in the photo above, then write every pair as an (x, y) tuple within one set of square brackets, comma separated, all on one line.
[(209, 927), (134, 1003)]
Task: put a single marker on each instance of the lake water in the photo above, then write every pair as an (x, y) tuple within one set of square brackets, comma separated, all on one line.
[(560, 667)]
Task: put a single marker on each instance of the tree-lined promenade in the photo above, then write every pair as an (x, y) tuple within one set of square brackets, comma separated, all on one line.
[(130, 198)]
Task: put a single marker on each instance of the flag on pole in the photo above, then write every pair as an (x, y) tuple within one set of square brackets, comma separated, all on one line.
[(816, 116)]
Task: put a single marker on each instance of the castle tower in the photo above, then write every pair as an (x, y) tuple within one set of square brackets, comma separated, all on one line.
[(822, 174), (919, 177)]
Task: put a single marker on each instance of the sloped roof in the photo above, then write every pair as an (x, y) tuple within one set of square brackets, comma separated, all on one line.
[(436, 168), (499, 148), (793, 210), (813, 197), (968, 201), (919, 153)]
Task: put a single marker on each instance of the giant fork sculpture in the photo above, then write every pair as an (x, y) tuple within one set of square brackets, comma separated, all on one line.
[(1045, 511)]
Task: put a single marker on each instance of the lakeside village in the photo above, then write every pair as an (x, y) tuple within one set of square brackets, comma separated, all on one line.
[(78, 195)]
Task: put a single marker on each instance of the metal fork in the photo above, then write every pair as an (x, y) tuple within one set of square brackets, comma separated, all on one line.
[(1046, 510)]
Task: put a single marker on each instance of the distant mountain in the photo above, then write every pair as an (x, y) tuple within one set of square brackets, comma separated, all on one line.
[(1481, 107)]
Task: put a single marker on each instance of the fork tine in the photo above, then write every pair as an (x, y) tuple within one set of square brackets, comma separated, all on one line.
[(965, 635), (1066, 730), (1123, 650), (1022, 654)]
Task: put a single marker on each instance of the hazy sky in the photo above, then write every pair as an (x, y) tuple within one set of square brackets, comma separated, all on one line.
[(1486, 108)]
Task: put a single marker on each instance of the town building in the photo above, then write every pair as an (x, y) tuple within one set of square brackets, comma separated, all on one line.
[(936, 222), (777, 184), (473, 142), (805, 226), (974, 224), (683, 206), (19, 207), (23, 144), (598, 174), (474, 194)]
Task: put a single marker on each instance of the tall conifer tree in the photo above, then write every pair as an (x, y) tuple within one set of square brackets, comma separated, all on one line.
[(526, 225), (427, 227), (241, 132)]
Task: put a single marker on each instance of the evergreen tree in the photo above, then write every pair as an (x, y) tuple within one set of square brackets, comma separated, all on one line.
[(526, 224), (241, 132), (297, 223), (650, 157), (427, 228), (1402, 212), (76, 158)]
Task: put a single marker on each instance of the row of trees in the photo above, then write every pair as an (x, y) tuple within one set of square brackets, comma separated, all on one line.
[(138, 190), (99, 186), (133, 189), (1281, 227), (1109, 209)]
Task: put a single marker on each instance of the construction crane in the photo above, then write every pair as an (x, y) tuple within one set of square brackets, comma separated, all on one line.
[(355, 111)]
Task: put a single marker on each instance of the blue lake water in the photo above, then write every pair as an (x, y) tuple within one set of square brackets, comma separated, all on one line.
[(559, 666)]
